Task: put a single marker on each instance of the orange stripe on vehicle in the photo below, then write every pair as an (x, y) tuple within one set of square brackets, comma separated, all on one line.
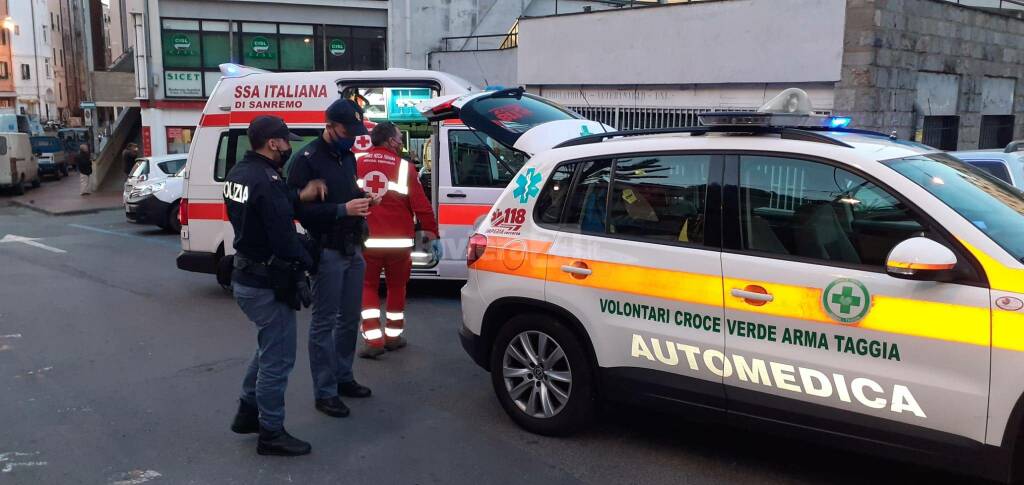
[(461, 214), (211, 211), (899, 316), (520, 257), (919, 266)]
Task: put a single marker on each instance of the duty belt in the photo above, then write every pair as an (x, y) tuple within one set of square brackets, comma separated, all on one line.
[(251, 266)]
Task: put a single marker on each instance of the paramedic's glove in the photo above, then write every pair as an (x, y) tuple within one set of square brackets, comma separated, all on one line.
[(435, 246)]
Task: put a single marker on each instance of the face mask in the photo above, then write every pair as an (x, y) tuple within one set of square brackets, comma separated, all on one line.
[(285, 155), (341, 143)]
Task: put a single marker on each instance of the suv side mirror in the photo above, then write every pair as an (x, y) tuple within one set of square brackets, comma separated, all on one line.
[(920, 258)]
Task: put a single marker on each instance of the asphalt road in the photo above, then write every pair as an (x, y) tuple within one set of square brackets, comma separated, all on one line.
[(116, 367)]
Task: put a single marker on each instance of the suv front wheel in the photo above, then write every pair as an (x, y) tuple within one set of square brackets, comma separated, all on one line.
[(542, 376)]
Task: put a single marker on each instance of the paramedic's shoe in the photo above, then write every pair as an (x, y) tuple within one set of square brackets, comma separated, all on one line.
[(396, 343), (281, 443), (353, 389), (371, 352), (247, 419)]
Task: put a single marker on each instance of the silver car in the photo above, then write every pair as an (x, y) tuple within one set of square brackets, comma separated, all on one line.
[(1006, 164)]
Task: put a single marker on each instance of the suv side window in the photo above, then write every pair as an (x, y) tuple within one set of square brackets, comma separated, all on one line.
[(585, 210), (549, 205), (474, 164), (814, 210), (994, 168), (660, 198)]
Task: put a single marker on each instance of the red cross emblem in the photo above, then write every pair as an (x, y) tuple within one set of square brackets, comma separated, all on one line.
[(376, 183), (362, 143)]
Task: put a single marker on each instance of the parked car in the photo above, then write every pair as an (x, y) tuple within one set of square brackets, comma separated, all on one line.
[(1006, 164), (49, 152), (153, 191), (18, 165)]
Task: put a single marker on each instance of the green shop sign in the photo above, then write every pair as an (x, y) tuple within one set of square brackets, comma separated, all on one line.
[(180, 45), (260, 47), (337, 47)]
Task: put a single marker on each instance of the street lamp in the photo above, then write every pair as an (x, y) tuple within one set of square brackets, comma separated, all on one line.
[(8, 23)]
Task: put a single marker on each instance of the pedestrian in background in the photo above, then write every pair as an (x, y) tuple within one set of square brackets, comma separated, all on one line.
[(83, 161), (128, 156), (339, 224), (384, 174), (270, 261)]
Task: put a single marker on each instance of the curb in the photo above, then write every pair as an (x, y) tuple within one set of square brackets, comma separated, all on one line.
[(74, 212)]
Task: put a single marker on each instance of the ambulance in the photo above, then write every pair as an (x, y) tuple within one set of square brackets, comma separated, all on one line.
[(463, 170), (771, 270)]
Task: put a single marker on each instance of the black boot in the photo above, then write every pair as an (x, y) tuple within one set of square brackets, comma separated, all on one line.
[(247, 419), (353, 389), (281, 443), (332, 407)]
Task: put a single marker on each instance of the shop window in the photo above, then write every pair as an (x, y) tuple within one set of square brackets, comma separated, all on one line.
[(181, 43), (179, 138), (338, 52), (941, 132), (369, 48), (260, 45), (216, 43), (996, 131), (297, 48)]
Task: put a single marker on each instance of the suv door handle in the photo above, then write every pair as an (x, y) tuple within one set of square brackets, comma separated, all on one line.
[(752, 295), (581, 270), (456, 195)]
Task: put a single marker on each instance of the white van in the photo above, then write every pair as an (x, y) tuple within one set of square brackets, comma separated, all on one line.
[(458, 166), (18, 165)]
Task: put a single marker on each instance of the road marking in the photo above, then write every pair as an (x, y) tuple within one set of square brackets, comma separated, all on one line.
[(11, 335), (136, 477), (150, 240), (31, 241), (9, 466), (36, 372)]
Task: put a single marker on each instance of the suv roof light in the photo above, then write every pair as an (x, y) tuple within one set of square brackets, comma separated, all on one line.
[(791, 108)]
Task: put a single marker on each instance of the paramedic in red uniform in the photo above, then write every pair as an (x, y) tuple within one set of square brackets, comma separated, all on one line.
[(382, 172)]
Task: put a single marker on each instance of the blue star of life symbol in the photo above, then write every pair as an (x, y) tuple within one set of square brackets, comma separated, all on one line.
[(527, 185)]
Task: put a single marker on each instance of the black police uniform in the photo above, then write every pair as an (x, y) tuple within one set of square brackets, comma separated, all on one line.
[(260, 206), (337, 286)]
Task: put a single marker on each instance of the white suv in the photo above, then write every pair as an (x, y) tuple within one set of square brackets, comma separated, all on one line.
[(770, 269)]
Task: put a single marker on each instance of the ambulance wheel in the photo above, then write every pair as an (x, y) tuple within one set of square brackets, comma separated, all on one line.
[(173, 224), (225, 265), (542, 376)]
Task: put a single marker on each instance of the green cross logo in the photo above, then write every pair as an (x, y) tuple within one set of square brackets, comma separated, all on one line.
[(846, 300)]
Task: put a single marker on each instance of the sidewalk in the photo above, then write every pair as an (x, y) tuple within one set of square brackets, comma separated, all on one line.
[(60, 197)]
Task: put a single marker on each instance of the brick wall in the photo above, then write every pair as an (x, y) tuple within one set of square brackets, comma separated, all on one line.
[(888, 42)]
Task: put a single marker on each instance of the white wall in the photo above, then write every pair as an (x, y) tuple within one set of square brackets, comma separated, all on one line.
[(484, 68), (734, 41), (159, 119)]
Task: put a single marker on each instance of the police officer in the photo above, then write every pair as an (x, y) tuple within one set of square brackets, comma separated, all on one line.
[(260, 207), (338, 223)]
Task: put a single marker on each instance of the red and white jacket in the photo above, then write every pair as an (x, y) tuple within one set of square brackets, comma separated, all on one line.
[(382, 172)]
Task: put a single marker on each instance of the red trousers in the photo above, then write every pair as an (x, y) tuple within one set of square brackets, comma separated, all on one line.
[(397, 266)]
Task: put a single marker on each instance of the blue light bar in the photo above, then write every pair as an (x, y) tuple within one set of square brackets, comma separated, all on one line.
[(839, 121)]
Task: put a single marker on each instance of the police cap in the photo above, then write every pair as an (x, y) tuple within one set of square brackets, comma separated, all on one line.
[(267, 127), (348, 114)]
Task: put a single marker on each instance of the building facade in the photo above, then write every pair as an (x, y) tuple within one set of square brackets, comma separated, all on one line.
[(8, 95), (32, 61), (182, 43), (947, 74)]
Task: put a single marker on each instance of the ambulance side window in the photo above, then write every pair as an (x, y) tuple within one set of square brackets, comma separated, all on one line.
[(232, 145), (585, 211), (474, 164)]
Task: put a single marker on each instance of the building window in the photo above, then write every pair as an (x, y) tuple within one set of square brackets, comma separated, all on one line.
[(260, 45), (179, 138), (17, 29), (46, 64), (26, 71), (5, 71), (297, 48), (941, 132), (996, 131), (3, 36)]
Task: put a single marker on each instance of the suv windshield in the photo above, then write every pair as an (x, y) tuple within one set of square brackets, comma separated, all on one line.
[(987, 202)]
